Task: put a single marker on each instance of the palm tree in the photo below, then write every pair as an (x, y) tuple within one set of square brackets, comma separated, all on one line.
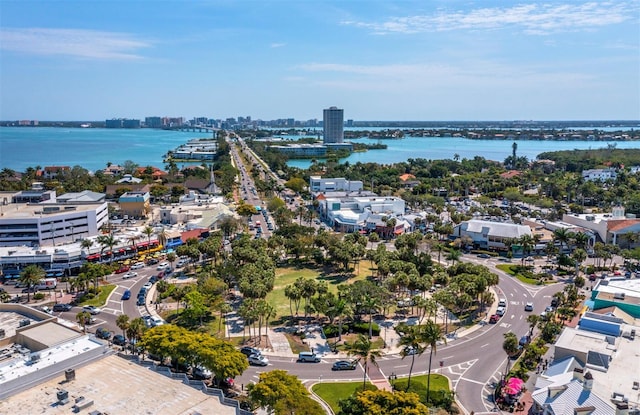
[(86, 244), (4, 297), (107, 241), (148, 230), (526, 243), (162, 238), (412, 345), (533, 320), (31, 276), (453, 256), (135, 331), (563, 236), (431, 334), (510, 347), (83, 318), (123, 323), (363, 348)]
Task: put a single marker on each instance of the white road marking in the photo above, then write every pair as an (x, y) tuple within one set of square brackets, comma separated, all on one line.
[(484, 345), (472, 381)]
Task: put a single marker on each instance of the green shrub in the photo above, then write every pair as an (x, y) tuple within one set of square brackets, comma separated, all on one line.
[(363, 328), (38, 296)]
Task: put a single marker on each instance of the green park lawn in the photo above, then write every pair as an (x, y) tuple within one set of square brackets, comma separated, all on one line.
[(287, 275), (332, 393), (101, 299), (510, 269)]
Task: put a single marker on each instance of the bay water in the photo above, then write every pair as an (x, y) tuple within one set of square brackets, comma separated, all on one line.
[(92, 148)]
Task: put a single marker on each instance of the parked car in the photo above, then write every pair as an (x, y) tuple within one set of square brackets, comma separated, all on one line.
[(119, 340), (528, 306), (130, 274), (33, 289), (122, 269), (182, 262), (162, 266), (140, 301), (344, 365), (93, 310), (47, 309), (494, 319), (126, 295), (153, 279), (62, 307), (249, 351), (502, 302), (103, 333), (258, 360), (500, 311), (484, 256), (201, 372), (148, 285), (156, 321)]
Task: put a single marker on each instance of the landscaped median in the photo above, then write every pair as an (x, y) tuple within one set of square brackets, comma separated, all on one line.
[(97, 300), (440, 395), (524, 274)]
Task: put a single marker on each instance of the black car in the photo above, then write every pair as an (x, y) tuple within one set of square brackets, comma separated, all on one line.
[(153, 279), (29, 290), (119, 340), (249, 351), (62, 307), (103, 333), (344, 365)]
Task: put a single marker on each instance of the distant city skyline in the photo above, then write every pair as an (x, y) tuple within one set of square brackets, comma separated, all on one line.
[(398, 60)]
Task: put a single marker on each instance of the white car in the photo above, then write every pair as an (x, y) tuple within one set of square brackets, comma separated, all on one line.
[(500, 311), (258, 360), (137, 265), (130, 274), (528, 306), (148, 285), (156, 321), (91, 309), (162, 266), (502, 302)]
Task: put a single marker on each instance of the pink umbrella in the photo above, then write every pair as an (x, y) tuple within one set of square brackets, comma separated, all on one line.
[(510, 390), (515, 382)]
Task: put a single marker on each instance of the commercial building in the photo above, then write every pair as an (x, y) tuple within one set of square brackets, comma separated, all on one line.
[(617, 292), (612, 228), (51, 223), (350, 213), (333, 125), (490, 235), (135, 204), (599, 174), (319, 184)]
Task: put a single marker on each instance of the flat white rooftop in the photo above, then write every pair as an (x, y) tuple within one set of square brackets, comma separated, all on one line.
[(116, 386)]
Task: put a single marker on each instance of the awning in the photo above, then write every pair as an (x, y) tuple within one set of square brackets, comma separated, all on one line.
[(398, 231), (143, 244), (93, 256), (122, 251)]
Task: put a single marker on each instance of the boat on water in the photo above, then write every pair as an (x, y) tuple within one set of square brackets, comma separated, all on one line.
[(85, 125)]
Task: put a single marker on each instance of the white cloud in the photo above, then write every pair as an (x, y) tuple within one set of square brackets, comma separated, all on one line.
[(277, 45), (87, 44), (538, 19)]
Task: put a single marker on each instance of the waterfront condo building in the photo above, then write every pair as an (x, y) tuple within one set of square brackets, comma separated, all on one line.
[(333, 125)]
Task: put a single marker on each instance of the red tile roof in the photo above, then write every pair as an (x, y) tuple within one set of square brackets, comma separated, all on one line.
[(617, 225), (510, 174)]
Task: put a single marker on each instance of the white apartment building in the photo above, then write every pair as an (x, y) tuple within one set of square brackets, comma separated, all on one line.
[(599, 174)]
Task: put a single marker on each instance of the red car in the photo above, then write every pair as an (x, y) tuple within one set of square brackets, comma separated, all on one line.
[(494, 319), (123, 268)]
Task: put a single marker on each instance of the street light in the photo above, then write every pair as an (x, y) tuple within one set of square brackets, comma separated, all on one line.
[(392, 380)]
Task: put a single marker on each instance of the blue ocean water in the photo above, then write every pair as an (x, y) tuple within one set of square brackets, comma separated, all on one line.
[(92, 148), (439, 148)]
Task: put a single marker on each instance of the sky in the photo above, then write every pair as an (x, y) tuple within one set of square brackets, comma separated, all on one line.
[(378, 60)]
